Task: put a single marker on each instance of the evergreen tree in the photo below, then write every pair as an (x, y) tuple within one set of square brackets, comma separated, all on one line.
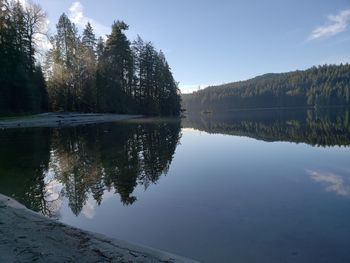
[(19, 90), (156, 91), (88, 60), (81, 73), (318, 86), (63, 84), (115, 70), (100, 46), (89, 39)]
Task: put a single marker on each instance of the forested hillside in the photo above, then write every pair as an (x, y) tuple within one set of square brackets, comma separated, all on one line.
[(318, 86), (80, 72)]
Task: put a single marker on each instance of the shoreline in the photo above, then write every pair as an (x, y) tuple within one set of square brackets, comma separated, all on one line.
[(66, 119), (29, 236)]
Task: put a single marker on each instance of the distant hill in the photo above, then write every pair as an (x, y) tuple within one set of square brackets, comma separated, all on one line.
[(326, 85)]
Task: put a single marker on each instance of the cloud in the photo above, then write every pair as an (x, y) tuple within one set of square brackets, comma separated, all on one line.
[(334, 183), (80, 19), (89, 209), (335, 25), (52, 189)]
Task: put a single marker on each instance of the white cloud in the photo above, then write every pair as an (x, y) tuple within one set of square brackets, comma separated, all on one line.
[(335, 25), (89, 209), (334, 183), (80, 19)]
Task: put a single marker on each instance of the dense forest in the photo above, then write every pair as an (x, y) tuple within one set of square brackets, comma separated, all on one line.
[(326, 85), (80, 72)]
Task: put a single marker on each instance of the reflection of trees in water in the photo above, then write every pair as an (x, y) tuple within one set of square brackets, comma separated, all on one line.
[(24, 162), (39, 166), (95, 159), (322, 127)]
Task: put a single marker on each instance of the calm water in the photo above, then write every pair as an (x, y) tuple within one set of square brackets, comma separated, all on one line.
[(266, 186)]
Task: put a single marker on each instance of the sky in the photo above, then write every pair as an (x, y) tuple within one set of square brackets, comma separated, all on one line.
[(209, 42)]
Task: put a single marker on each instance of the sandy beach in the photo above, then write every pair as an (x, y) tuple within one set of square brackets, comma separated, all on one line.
[(26, 236), (62, 119)]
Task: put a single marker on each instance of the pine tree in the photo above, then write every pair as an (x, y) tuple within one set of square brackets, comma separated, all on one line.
[(89, 39), (115, 70), (64, 87), (100, 46), (87, 56)]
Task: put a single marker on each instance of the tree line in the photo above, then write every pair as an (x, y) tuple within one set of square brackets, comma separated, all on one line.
[(320, 86), (81, 72)]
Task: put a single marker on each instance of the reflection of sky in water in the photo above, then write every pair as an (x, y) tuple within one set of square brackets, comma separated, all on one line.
[(245, 194), (333, 182), (223, 198), (89, 209)]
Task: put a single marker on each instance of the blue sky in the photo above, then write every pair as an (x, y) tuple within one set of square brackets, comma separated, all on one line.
[(214, 42)]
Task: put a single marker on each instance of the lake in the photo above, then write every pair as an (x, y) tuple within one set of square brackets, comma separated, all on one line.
[(240, 186)]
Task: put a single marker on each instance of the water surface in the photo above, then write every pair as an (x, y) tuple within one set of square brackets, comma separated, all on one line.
[(266, 186)]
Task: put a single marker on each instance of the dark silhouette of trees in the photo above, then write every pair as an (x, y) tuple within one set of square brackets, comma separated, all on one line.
[(35, 24), (134, 77), (85, 74), (155, 89), (22, 88), (81, 73), (115, 71)]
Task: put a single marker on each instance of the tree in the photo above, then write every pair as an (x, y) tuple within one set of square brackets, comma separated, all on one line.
[(87, 57), (64, 75), (89, 39), (81, 73), (318, 86), (115, 70), (100, 46), (156, 92), (20, 91), (35, 25)]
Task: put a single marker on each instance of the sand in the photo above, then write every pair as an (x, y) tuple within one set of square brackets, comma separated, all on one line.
[(26, 236), (62, 119)]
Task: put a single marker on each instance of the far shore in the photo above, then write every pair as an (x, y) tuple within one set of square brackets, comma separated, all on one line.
[(27, 236), (63, 119)]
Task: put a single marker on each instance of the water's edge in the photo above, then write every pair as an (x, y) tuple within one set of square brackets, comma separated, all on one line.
[(67, 119), (27, 235)]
